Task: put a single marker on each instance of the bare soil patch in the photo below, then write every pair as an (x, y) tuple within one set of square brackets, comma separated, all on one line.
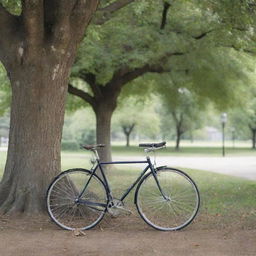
[(126, 235)]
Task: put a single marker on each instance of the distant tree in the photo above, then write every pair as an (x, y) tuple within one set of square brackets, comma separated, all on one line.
[(138, 117), (243, 119), (79, 127), (127, 129), (182, 112)]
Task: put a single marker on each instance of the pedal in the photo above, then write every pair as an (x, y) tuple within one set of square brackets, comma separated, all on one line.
[(116, 208)]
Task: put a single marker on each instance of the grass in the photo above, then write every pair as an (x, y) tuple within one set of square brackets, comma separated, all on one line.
[(230, 199), (226, 200)]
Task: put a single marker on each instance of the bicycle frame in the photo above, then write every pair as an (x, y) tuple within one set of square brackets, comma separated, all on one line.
[(105, 180)]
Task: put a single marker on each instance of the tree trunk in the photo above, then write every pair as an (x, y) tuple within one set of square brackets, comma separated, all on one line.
[(128, 140), (178, 138), (127, 129), (177, 146), (37, 49), (37, 114), (104, 113)]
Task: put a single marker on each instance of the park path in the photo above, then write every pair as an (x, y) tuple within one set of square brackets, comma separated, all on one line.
[(240, 166)]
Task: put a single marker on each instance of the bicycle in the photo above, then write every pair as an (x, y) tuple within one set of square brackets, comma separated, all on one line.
[(166, 198)]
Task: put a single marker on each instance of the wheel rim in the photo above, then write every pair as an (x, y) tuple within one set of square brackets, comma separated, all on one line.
[(175, 211), (63, 206)]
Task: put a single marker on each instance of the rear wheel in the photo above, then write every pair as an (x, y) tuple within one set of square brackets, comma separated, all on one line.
[(173, 211), (69, 212)]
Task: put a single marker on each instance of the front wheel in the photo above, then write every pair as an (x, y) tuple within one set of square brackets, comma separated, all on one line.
[(175, 207), (70, 207)]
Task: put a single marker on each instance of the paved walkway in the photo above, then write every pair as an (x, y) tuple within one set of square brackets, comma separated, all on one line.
[(243, 166), (240, 166)]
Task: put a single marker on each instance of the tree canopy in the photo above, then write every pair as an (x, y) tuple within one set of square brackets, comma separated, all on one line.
[(201, 42)]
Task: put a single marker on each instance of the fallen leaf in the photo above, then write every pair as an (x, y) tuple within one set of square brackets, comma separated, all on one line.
[(79, 232)]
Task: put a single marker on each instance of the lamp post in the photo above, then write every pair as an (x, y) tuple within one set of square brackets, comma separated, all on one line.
[(223, 119), (233, 136)]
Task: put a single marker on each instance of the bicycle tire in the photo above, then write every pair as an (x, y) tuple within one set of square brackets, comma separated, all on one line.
[(181, 207), (61, 197)]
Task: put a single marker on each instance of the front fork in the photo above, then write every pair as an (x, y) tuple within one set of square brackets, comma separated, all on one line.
[(154, 172)]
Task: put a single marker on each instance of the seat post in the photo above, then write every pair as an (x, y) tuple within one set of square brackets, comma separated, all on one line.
[(94, 150)]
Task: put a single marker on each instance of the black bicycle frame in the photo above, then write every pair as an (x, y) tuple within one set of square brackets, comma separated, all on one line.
[(105, 180)]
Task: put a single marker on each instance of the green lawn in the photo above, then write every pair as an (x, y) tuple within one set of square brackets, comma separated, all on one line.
[(226, 200)]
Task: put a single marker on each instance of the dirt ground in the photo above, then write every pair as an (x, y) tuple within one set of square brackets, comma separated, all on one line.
[(126, 235)]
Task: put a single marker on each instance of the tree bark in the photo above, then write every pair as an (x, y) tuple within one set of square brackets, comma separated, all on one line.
[(178, 119), (178, 137), (37, 114), (104, 111), (164, 15), (127, 140)]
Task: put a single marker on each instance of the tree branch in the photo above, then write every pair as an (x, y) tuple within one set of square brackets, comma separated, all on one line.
[(81, 94), (203, 34), (127, 129), (82, 14), (126, 74), (106, 12), (164, 15), (33, 20), (90, 79), (57, 20), (8, 33)]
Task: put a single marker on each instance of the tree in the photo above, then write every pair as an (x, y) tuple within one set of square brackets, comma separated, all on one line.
[(79, 128), (104, 100), (243, 119), (38, 44), (137, 116), (127, 129), (112, 65), (181, 112), (119, 59)]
